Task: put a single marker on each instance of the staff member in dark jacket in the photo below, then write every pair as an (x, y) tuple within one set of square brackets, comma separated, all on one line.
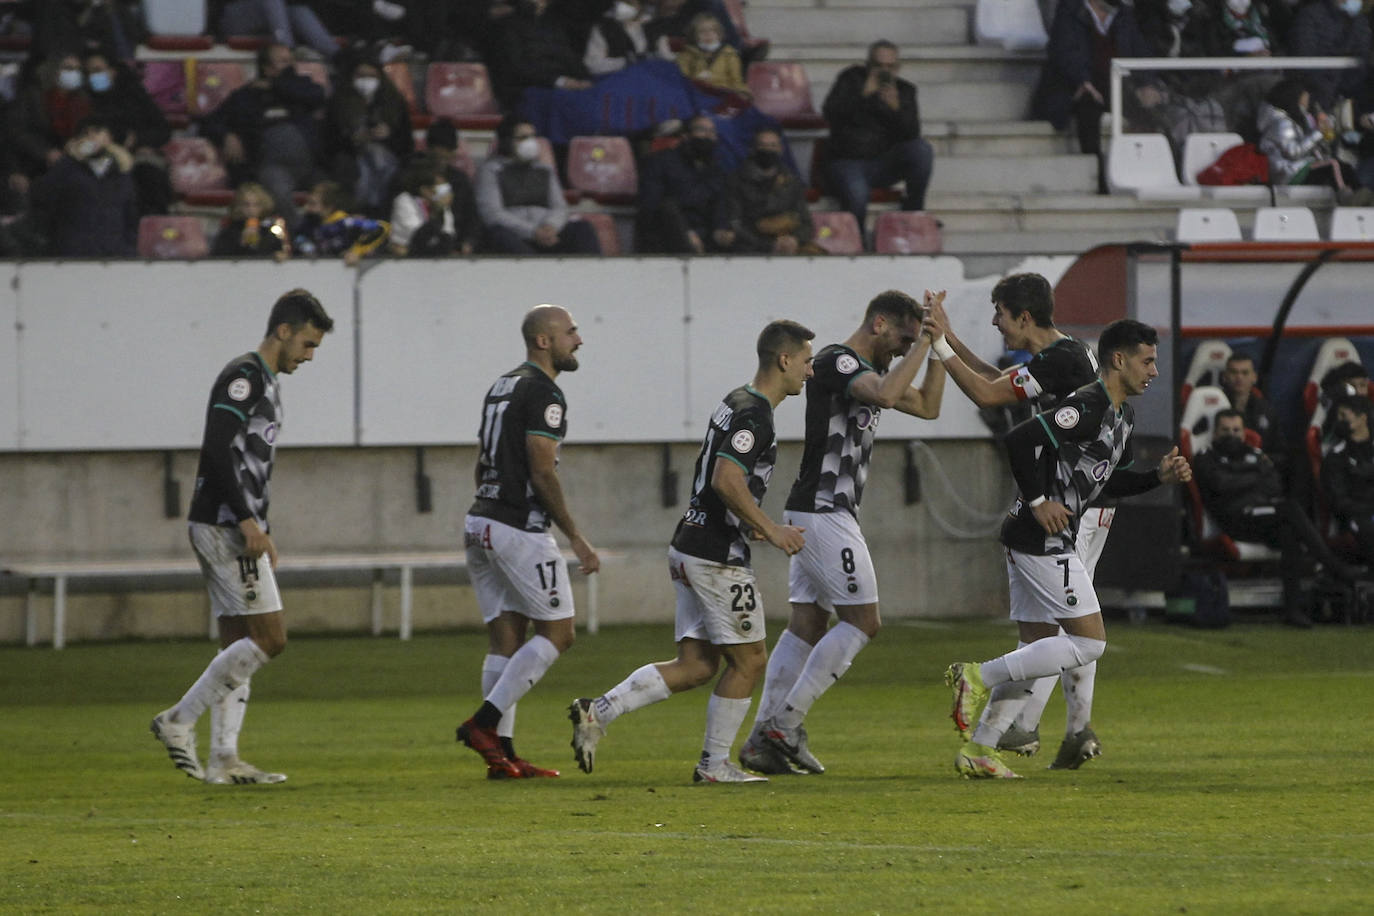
[(682, 195), (1348, 473), (875, 133)]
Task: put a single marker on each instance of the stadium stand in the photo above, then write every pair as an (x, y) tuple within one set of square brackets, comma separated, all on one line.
[(1207, 225), (1285, 224), (782, 90), (462, 93), (603, 168), (837, 231), (1352, 224), (1144, 164), (172, 238), (907, 232)]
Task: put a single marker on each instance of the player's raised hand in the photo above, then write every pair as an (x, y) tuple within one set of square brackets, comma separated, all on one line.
[(787, 538), (1052, 516), (935, 310), (587, 558), (1174, 468)]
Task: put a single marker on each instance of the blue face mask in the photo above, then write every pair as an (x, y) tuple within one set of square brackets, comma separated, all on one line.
[(100, 81), (1351, 7)]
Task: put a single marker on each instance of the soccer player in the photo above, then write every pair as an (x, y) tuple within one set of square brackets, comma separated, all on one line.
[(719, 608), (1061, 461), (1023, 311), (517, 570), (231, 539), (850, 387)]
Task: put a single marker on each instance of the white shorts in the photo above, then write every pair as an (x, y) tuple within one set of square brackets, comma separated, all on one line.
[(1048, 589), (238, 585), (834, 567), (1093, 529), (516, 570), (716, 602)]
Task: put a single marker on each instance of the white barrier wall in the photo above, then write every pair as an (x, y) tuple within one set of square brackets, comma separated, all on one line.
[(122, 355)]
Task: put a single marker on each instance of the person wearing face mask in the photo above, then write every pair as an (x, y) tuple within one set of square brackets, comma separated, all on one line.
[(117, 95), (1348, 473), (1243, 492), (369, 135), (421, 221), (1332, 28), (708, 59), (765, 204), (51, 110), (441, 146), (681, 196), (85, 205), (617, 40), (521, 201)]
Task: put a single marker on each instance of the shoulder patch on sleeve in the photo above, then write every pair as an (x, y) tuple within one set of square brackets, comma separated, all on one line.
[(1066, 417), (742, 441), (846, 364), (553, 414), (239, 389)]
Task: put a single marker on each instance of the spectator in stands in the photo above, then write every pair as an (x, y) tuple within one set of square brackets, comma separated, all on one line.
[(421, 219), (521, 201), (682, 196), (1348, 473), (85, 205), (1332, 28), (765, 204), (536, 51), (673, 19), (441, 143), (117, 95), (369, 135), (48, 112), (1074, 83), (266, 129), (1243, 491), (289, 22), (875, 133), (1239, 28), (1361, 133), (1238, 380), (63, 24), (617, 40), (328, 230), (254, 229), (708, 59), (1297, 142)]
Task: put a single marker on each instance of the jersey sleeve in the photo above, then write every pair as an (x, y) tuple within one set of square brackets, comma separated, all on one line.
[(231, 402), (1055, 370), (238, 392), (1076, 419), (836, 370), (546, 414), (749, 435)]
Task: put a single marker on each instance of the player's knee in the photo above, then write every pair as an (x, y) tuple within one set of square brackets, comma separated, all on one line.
[(701, 671), (750, 660), (562, 639), (272, 644), (1086, 649)]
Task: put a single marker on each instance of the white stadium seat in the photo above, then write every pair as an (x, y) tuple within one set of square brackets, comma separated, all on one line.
[(1285, 224), (1210, 224), (1144, 164), (1352, 224)]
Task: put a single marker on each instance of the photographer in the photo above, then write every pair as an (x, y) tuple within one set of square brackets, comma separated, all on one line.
[(875, 133)]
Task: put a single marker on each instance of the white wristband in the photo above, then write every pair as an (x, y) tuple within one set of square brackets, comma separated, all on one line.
[(941, 348), (1035, 502)]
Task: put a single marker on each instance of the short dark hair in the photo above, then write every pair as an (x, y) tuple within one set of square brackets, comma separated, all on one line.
[(1337, 376), (1229, 412), (442, 132), (781, 336), (1122, 335), (1356, 402), (894, 304), (1238, 357), (505, 133), (421, 172), (1026, 292), (264, 55), (93, 122), (334, 196), (298, 307), (879, 45)]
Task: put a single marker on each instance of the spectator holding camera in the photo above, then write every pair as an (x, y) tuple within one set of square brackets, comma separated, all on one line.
[(875, 133)]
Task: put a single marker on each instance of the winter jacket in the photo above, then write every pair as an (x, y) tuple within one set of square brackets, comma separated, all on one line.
[(866, 128), (1321, 29), (1291, 147)]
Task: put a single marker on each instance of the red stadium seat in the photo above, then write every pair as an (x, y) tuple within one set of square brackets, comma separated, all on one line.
[(165, 82), (837, 231), (180, 42), (461, 92), (603, 168), (782, 89), (907, 232), (196, 172), (604, 224), (248, 42), (211, 81), (398, 71), (171, 237)]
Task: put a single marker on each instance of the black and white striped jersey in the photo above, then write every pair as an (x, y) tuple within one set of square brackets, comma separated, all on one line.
[(523, 402), (839, 436), (242, 422)]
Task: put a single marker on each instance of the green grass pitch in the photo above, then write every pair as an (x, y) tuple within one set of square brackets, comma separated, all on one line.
[(1236, 778)]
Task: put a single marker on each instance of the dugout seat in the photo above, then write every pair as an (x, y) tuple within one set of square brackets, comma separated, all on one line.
[(210, 83), (172, 237), (603, 168), (462, 93), (1333, 352), (837, 231), (907, 232), (1209, 359), (782, 90)]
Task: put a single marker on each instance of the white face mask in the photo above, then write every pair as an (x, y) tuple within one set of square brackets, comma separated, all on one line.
[(624, 12), (100, 165), (710, 47), (366, 85), (443, 190), (87, 148), (1177, 8), (1351, 7), (527, 149), (1238, 7), (69, 79)]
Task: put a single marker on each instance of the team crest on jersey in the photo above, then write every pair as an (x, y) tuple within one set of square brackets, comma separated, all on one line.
[(864, 416), (240, 388), (1099, 470), (846, 364), (553, 414), (1066, 417), (742, 441)]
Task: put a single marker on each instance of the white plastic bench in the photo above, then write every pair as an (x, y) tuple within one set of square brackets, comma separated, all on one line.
[(59, 572)]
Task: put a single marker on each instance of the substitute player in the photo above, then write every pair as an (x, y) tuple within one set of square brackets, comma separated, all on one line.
[(517, 570), (850, 387), (719, 608), (1023, 312), (1061, 462), (231, 539)]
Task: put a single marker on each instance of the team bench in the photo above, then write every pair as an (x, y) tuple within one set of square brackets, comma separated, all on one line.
[(59, 572)]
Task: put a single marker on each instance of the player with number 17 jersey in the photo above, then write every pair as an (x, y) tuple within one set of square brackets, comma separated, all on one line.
[(523, 402)]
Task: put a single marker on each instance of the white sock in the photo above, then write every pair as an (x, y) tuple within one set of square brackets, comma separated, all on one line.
[(226, 721), (644, 686), (523, 671), (1007, 700), (1042, 658), (724, 716), (226, 671), (492, 666), (785, 665), (1028, 719), (1078, 697), (826, 665)]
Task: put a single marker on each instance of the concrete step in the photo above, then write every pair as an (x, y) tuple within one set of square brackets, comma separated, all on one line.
[(1029, 243), (1015, 174), (922, 70), (920, 25)]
